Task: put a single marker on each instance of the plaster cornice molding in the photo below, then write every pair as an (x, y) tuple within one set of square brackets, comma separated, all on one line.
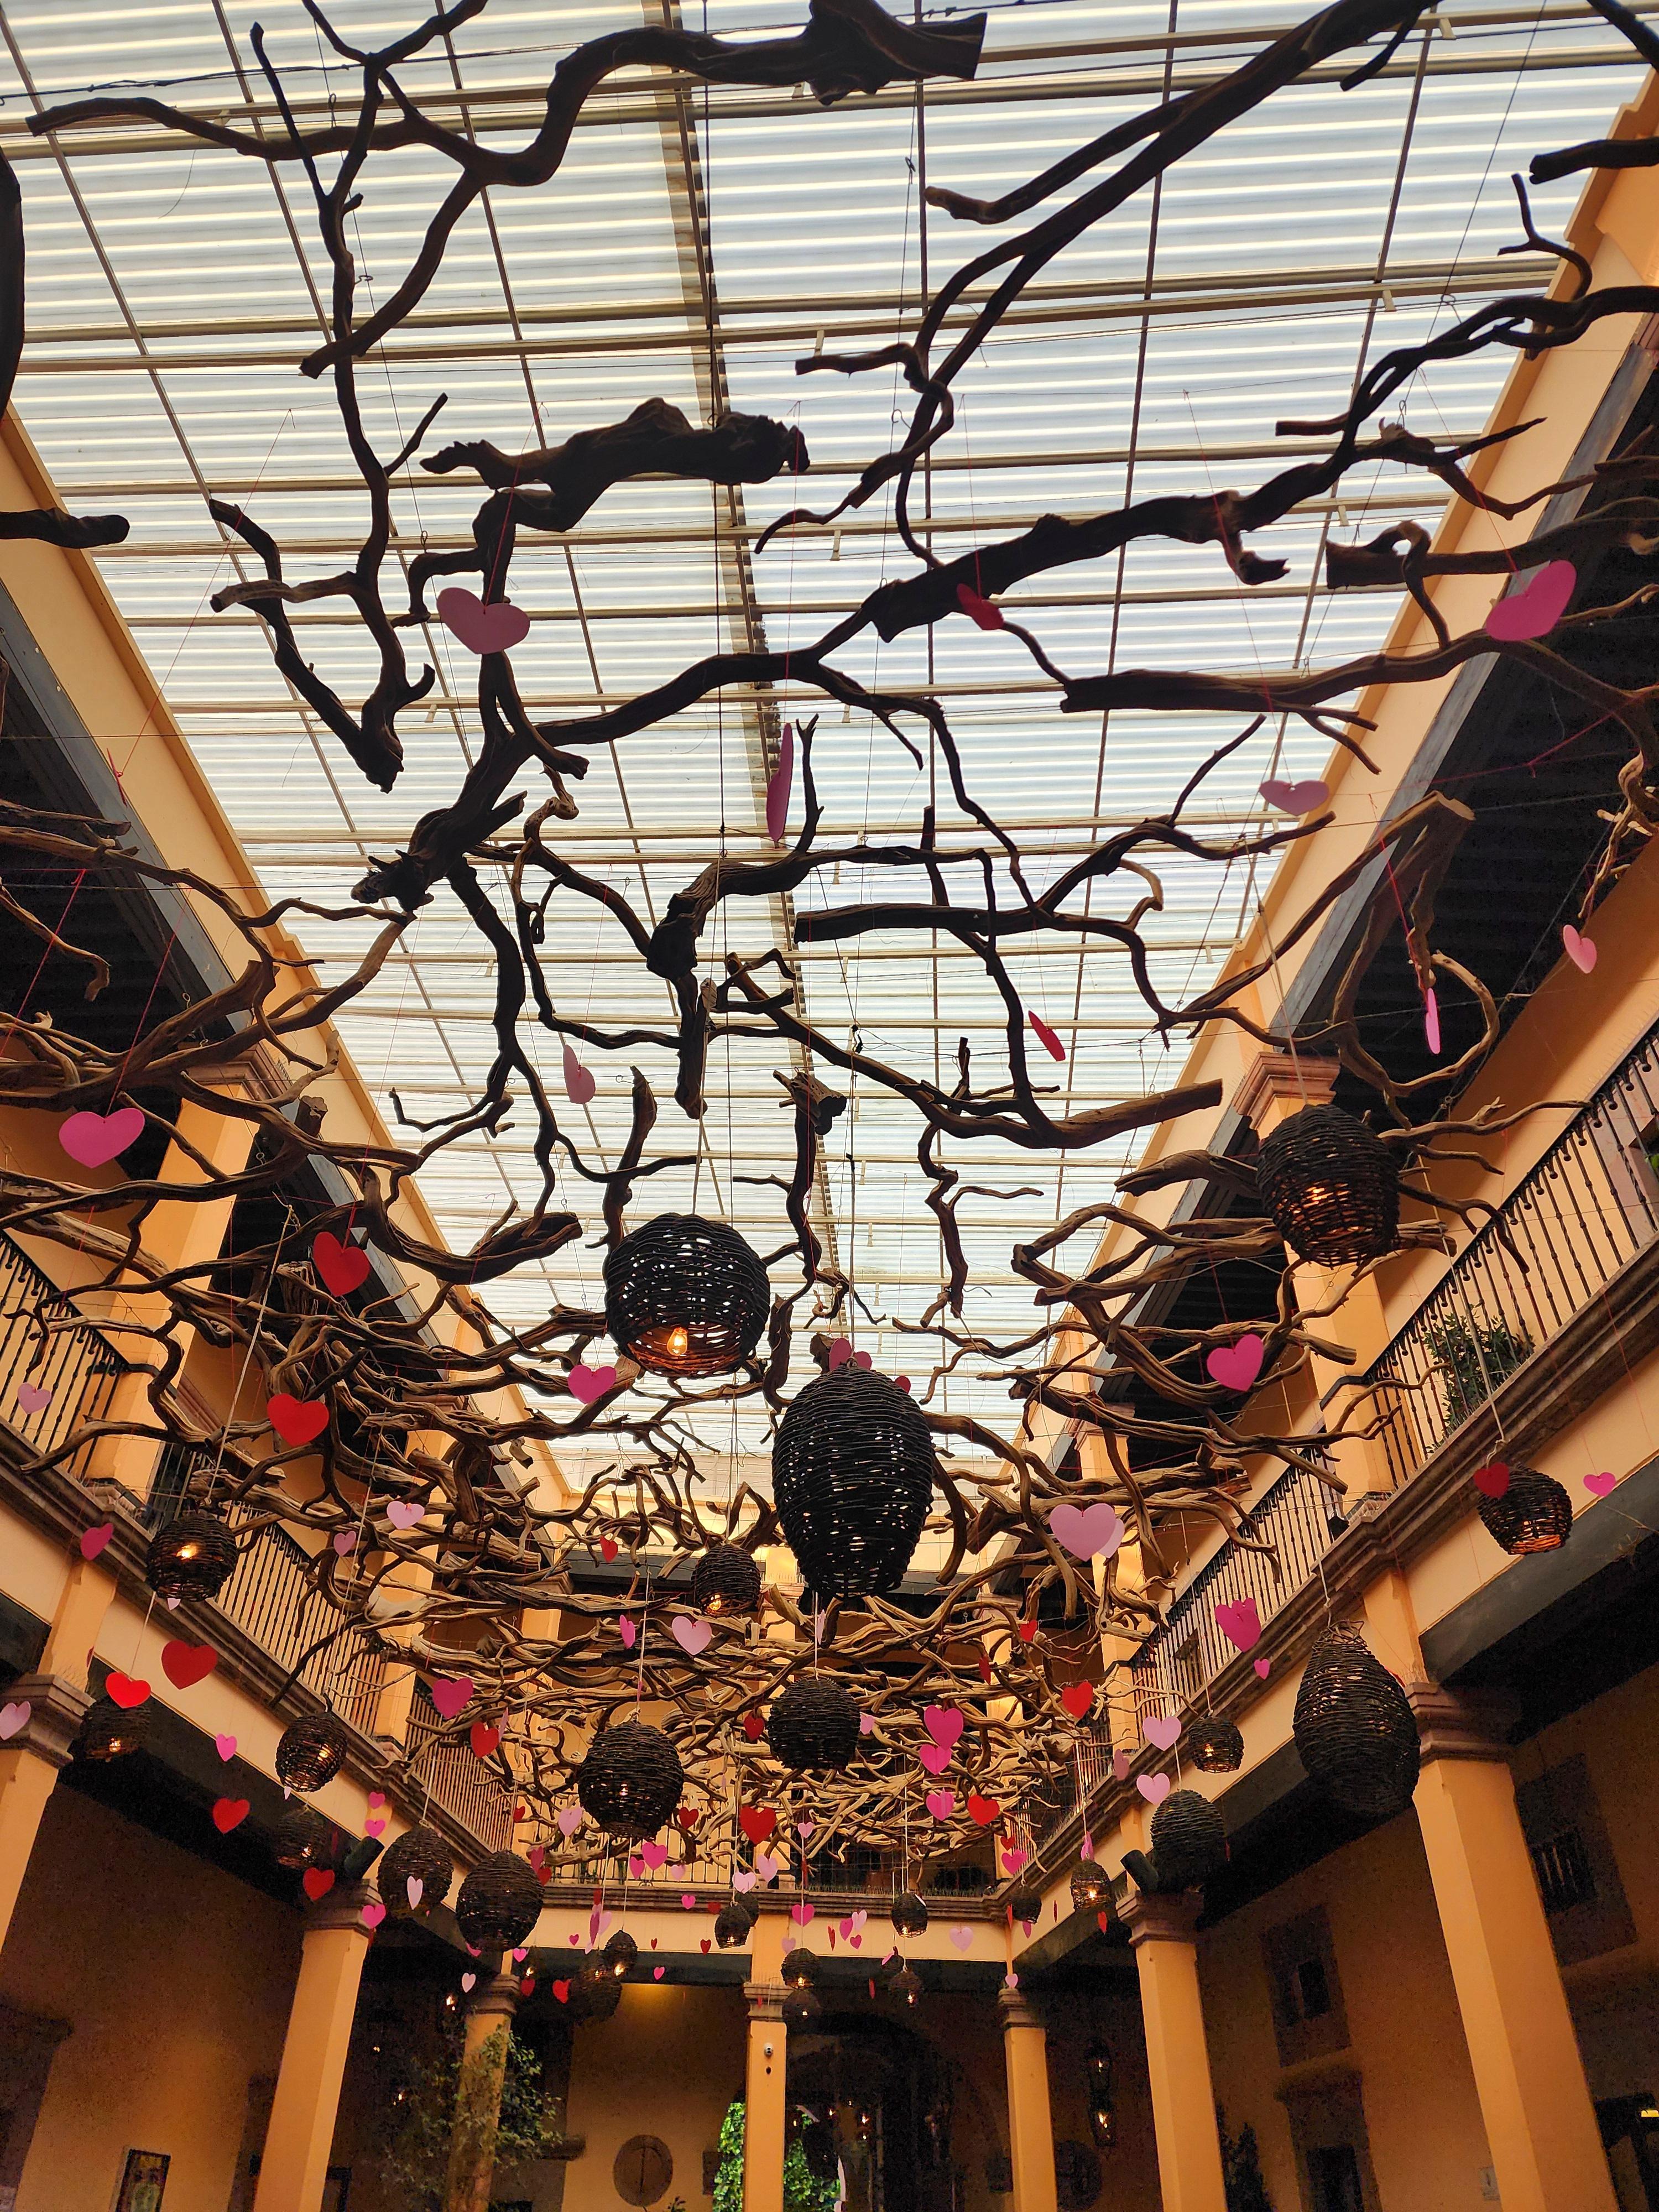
[(56, 1708), (1283, 1079), (1017, 2010), (341, 1907), (764, 1999), (1161, 1915), (1463, 1723)]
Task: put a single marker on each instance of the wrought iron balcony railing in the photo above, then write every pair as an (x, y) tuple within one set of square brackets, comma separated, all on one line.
[(45, 1345)]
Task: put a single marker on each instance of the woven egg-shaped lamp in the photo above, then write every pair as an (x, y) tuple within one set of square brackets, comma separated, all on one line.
[(800, 1968), (1092, 1892), (500, 1902), (312, 1751), (1535, 1514), (595, 1992), (908, 1915), (685, 1296), (732, 1925), (801, 2008), (906, 1986), (1024, 1905), (1189, 1840), (420, 1854), (302, 1838), (1354, 1728), (1332, 1188), (110, 1731), (853, 1477), (1214, 1746), (630, 1781), (726, 1583), (191, 1557), (620, 1952), (813, 1727)]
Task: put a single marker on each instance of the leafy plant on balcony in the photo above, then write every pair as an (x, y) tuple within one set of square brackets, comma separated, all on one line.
[(1473, 1358)]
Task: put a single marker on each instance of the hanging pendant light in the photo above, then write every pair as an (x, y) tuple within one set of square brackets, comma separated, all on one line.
[(1025, 1905), (813, 1727), (621, 1952), (726, 1583), (1092, 1892), (733, 1924), (630, 1781), (683, 1296), (908, 1915), (110, 1731), (799, 1969), (191, 1557), (853, 1472), (420, 1854), (801, 2008), (1102, 2107), (1354, 1728), (302, 1838), (1332, 1188), (1535, 1514), (1214, 1745), (311, 1751), (500, 1902), (907, 1986), (1189, 1840)]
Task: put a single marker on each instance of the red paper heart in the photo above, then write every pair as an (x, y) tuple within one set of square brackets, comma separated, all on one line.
[(92, 1541), (1104, 1921), (343, 1267), (1076, 1699), (317, 1882), (982, 610), (758, 1822), (1027, 1629), (484, 1738), (561, 1992), (230, 1812), (777, 787), (124, 1691), (752, 1725), (297, 1420), (983, 1810), (705, 1943), (1492, 1481), (984, 1667), (687, 1816), (186, 1663), (481, 627), (1051, 1043), (607, 1548)]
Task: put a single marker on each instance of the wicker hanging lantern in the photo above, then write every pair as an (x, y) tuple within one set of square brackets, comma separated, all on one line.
[(1332, 1188), (312, 1752), (726, 1583), (909, 1914), (620, 1952), (630, 1781), (852, 1477), (1090, 1890), (191, 1558), (685, 1296), (1354, 1728), (1023, 1905), (799, 1969), (302, 1838), (110, 1731), (732, 1925), (813, 1727), (1535, 1514), (801, 2008), (594, 1995), (1214, 1746), (906, 1986), (500, 1902), (420, 1854), (1189, 1840)]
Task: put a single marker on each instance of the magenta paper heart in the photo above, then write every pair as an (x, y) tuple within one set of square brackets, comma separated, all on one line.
[(979, 610), (627, 1630), (857, 1942), (345, 1541), (943, 1723), (598, 1921), (1599, 1485), (743, 1881), (1534, 611), (1161, 1729), (521, 1954), (92, 1541), (226, 1747), (692, 1636), (452, 1694), (1295, 798), (801, 1913), (586, 1384), (1154, 1788), (766, 1867), (375, 1827), (687, 1900), (1240, 1623), (840, 1352), (492, 628), (580, 1085), (1045, 1036), (846, 1929), (1581, 951), (1235, 1366), (575, 1940), (654, 1855), (414, 1890), (373, 1913), (1121, 1766), (636, 1869), (1432, 1020), (14, 1718), (657, 1973), (941, 1803), (935, 1757), (33, 1397), (376, 1799), (1087, 1533), (1263, 1668), (95, 1139), (777, 787), (962, 1938), (570, 1819), (1013, 1858), (404, 1513)]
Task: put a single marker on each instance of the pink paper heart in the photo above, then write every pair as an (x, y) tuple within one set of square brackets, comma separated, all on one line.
[(1161, 1729), (579, 1083), (979, 610), (687, 1900), (840, 1352), (404, 1513), (804, 1830), (495, 628), (627, 1630), (1534, 609), (414, 1890), (1046, 1036), (943, 1723), (657, 1973), (376, 1799), (1263, 1668), (962, 1938), (1087, 1533), (598, 1921), (1235, 1366), (373, 1913), (345, 1541), (743, 1881), (1154, 1788), (469, 1981), (654, 1855), (1432, 1020), (635, 1868), (777, 787), (1013, 1858), (691, 1635), (373, 1827), (801, 1913), (14, 1718), (92, 1541), (857, 1942), (586, 1384), (570, 1819), (452, 1694), (941, 1803), (1599, 1485), (575, 1940), (1240, 1623), (34, 1397), (866, 1724), (95, 1139), (1121, 1766), (935, 1757), (766, 1867), (520, 1954), (1581, 951), (226, 1747), (1295, 798)]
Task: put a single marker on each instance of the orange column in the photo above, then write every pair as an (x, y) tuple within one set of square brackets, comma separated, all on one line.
[(294, 2164), (1030, 2125), (765, 2119), (1162, 1930), (1541, 2122), (31, 1760), (478, 2095)]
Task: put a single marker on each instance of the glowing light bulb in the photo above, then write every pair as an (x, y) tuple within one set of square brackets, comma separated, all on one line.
[(679, 1343)]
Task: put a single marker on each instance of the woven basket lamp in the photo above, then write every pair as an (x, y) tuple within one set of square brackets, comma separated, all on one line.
[(801, 2008), (1190, 1840), (1535, 1514), (312, 1752), (726, 1583), (1023, 1905), (594, 1995), (630, 1781), (685, 1296), (732, 1926), (1332, 1188), (799, 1969), (906, 1986), (852, 1478), (191, 1558), (620, 1952), (500, 1902), (110, 1731), (1354, 1728), (813, 1727), (909, 1914), (1214, 1746), (1090, 1890), (302, 1836), (420, 1854)]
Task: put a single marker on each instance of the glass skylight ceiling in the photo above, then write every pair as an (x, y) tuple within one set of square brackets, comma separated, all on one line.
[(172, 289)]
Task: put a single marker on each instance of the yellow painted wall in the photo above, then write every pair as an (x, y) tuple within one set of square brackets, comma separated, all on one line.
[(1129, 2173), (177, 1979), (667, 2064)]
